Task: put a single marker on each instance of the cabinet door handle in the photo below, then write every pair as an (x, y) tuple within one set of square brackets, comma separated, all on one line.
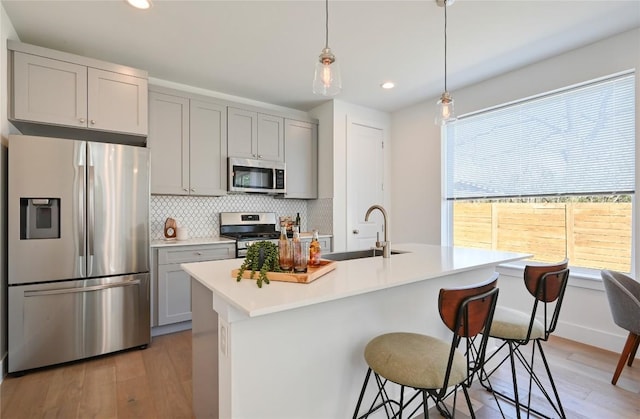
[(185, 189), (356, 231), (82, 120), (192, 190), (198, 253), (259, 156), (93, 122)]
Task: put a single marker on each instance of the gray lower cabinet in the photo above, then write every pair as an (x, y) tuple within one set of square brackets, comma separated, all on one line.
[(325, 243), (174, 285)]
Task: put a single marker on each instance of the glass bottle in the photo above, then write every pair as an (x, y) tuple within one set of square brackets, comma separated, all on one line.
[(285, 251), (298, 221), (314, 250), (299, 253)]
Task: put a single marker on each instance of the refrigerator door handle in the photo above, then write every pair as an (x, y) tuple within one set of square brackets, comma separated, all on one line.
[(91, 212), (81, 289), (81, 204)]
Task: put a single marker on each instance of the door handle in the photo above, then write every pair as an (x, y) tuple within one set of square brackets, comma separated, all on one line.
[(355, 231)]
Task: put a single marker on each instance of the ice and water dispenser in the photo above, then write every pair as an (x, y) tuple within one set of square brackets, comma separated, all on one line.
[(39, 218)]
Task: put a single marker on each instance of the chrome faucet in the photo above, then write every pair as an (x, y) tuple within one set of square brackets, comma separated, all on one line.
[(385, 245)]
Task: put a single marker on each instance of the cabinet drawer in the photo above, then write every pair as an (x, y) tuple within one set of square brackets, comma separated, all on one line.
[(186, 254), (325, 244)]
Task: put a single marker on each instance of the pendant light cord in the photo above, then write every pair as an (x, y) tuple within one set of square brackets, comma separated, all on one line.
[(326, 27), (445, 45)]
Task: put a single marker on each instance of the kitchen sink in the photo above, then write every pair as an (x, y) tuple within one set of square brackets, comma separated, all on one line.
[(356, 254)]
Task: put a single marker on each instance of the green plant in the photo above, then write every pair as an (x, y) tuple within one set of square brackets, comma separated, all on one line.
[(261, 257)]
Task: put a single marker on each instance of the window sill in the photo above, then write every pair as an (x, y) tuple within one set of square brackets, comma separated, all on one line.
[(578, 277)]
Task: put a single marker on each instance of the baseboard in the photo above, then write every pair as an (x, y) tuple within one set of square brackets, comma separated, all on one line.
[(613, 342), (3, 367), (170, 328)]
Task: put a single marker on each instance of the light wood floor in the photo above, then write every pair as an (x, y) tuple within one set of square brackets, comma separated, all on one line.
[(150, 383), (156, 383), (583, 376)]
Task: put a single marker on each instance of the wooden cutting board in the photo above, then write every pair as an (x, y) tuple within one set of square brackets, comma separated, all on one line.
[(313, 273)]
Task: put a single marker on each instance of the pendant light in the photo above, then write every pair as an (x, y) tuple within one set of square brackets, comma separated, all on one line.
[(327, 81), (445, 113)]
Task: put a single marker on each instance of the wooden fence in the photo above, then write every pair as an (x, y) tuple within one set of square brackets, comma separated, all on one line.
[(591, 235)]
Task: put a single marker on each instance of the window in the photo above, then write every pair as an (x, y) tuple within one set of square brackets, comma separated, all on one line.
[(553, 176)]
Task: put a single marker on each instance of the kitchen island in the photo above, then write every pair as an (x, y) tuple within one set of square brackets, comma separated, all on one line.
[(290, 350)]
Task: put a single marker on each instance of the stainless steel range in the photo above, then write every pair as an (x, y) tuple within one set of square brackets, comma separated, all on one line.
[(247, 228)]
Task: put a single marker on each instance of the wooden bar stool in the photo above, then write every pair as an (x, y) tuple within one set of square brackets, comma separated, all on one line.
[(434, 368), (547, 284)]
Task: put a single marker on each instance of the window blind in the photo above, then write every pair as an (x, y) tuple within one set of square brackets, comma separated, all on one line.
[(577, 142)]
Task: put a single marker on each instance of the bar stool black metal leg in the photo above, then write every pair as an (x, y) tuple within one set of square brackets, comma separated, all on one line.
[(364, 387)]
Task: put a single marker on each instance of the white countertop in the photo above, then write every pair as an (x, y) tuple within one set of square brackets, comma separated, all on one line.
[(191, 242), (353, 277), (212, 240)]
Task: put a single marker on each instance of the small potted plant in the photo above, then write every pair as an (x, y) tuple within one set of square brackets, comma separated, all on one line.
[(261, 257)]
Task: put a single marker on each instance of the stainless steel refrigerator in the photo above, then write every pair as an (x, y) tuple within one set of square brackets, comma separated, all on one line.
[(78, 249)]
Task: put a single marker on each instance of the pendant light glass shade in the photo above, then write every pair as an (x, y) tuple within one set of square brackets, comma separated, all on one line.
[(445, 112), (327, 80)]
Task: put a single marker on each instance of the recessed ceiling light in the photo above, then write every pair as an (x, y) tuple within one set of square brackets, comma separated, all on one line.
[(140, 4), (388, 85)]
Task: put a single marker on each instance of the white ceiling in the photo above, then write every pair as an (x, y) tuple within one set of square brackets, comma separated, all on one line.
[(266, 50)]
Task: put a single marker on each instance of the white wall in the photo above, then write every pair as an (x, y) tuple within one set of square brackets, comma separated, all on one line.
[(6, 32), (415, 179), (332, 165), (416, 152)]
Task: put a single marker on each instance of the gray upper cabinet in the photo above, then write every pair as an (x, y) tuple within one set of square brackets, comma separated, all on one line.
[(49, 91), (54, 88), (242, 134), (117, 102), (301, 152), (255, 135), (187, 138), (169, 143), (208, 148), (270, 137)]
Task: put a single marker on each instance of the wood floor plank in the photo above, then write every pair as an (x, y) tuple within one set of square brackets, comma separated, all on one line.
[(129, 365), (135, 400), (165, 389), (25, 401), (98, 398), (64, 391)]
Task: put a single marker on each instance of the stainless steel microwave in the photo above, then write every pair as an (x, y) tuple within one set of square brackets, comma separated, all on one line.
[(248, 175)]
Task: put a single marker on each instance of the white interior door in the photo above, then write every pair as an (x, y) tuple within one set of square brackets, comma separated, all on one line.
[(365, 176)]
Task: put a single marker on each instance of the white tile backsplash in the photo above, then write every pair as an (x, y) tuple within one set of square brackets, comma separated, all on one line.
[(201, 214)]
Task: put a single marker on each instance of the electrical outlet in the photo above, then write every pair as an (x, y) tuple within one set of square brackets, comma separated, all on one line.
[(223, 339)]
